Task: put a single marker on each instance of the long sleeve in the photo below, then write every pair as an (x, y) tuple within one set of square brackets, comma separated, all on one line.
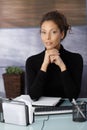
[(35, 80), (71, 79)]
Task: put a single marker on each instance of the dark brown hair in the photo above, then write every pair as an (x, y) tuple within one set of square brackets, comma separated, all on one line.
[(59, 19)]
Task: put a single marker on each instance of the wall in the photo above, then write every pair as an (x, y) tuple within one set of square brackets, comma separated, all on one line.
[(19, 31), (16, 44), (27, 13)]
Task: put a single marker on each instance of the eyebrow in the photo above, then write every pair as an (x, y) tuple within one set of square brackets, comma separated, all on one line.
[(50, 30)]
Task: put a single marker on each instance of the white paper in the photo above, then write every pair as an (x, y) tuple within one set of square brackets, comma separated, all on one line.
[(27, 100), (47, 101), (42, 101)]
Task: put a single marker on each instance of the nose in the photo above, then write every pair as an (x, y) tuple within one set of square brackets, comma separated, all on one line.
[(48, 36)]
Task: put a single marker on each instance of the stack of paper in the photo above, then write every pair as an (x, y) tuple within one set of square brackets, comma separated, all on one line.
[(42, 101), (47, 101)]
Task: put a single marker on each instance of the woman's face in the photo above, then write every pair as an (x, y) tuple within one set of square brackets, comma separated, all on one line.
[(51, 35)]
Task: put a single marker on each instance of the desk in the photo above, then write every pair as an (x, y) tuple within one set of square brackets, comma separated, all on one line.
[(55, 122)]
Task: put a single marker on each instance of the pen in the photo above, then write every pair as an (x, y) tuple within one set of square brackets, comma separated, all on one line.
[(82, 114)]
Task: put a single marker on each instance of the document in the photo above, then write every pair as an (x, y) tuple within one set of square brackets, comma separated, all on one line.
[(46, 101), (42, 101)]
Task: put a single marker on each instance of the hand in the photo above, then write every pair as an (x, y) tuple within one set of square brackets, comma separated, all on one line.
[(52, 56), (55, 58), (48, 54), (46, 61)]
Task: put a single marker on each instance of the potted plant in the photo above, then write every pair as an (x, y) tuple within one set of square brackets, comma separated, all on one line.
[(13, 81)]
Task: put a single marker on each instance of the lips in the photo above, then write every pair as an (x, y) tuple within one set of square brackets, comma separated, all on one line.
[(48, 43)]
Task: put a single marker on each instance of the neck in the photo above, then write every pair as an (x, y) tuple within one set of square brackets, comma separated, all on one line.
[(58, 47)]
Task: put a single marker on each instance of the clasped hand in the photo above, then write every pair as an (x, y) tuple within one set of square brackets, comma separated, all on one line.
[(53, 56)]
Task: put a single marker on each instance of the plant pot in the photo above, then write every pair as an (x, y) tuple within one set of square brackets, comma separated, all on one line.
[(14, 84)]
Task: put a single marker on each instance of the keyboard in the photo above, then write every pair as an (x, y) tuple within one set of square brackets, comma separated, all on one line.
[(50, 110)]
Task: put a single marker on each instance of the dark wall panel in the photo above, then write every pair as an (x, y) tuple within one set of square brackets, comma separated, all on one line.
[(27, 13)]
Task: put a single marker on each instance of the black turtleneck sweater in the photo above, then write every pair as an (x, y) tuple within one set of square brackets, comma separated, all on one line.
[(54, 83)]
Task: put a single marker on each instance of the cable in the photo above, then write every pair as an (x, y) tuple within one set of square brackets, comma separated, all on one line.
[(44, 122)]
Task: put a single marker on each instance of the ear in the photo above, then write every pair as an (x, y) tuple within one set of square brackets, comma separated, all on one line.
[(62, 35)]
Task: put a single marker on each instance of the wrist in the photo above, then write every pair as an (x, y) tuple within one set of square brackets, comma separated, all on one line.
[(63, 68), (44, 67)]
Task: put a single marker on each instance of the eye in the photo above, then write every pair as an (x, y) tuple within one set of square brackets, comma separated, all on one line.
[(43, 32), (54, 32)]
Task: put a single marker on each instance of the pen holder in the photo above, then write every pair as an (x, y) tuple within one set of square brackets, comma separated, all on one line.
[(80, 112)]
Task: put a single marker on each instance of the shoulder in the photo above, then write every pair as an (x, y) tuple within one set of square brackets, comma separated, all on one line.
[(71, 55), (74, 57), (35, 58)]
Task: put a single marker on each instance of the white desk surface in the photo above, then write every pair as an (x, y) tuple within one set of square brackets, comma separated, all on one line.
[(55, 122)]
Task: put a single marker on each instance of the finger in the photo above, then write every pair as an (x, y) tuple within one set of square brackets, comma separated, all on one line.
[(52, 59)]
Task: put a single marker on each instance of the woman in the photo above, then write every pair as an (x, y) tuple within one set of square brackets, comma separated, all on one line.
[(55, 72)]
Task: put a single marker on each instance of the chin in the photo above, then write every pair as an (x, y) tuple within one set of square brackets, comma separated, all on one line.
[(48, 48)]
